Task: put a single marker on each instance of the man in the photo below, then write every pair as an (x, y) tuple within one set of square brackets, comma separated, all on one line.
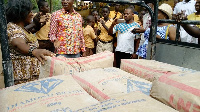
[(115, 14), (105, 41), (188, 6), (193, 30), (126, 36), (66, 31), (42, 20), (196, 16)]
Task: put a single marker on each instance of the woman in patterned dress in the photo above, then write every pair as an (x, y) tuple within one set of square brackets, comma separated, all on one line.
[(164, 30), (23, 44)]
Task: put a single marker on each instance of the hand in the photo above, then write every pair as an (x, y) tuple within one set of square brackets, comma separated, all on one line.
[(102, 21), (56, 43), (84, 54), (181, 16), (139, 30), (134, 56), (115, 22), (41, 53)]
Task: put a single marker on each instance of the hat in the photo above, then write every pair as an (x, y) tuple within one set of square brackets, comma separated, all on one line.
[(167, 9)]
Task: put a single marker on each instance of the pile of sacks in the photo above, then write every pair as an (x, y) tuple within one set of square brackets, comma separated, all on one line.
[(175, 86), (92, 84), (82, 93)]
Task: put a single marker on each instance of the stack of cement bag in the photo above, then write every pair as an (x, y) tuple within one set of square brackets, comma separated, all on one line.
[(61, 65), (63, 94), (175, 86), (151, 69)]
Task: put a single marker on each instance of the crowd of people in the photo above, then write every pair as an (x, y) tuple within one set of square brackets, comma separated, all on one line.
[(126, 34)]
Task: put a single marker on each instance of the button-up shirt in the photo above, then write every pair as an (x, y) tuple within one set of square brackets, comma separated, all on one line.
[(89, 35), (104, 33), (67, 28)]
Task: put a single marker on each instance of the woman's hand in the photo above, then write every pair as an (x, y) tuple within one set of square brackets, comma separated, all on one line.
[(41, 53)]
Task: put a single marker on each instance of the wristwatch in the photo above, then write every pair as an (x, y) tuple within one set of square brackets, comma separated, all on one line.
[(31, 50)]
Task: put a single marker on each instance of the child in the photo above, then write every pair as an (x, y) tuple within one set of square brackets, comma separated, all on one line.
[(42, 21), (89, 35), (105, 41)]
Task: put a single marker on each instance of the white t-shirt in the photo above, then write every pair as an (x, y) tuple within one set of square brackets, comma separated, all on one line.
[(125, 38), (189, 8)]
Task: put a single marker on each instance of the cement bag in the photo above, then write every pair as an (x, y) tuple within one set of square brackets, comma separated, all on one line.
[(180, 91), (57, 66), (2, 84), (106, 83), (55, 94), (100, 60), (151, 69), (132, 102)]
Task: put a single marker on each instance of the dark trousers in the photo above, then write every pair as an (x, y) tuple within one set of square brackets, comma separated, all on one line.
[(121, 55)]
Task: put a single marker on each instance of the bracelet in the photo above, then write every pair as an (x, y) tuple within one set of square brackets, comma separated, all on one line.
[(31, 50)]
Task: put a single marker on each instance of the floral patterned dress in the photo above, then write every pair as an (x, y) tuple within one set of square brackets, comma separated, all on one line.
[(25, 68), (161, 31)]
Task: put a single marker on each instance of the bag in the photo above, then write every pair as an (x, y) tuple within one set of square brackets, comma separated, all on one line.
[(180, 91), (151, 69), (107, 83), (55, 94), (132, 102)]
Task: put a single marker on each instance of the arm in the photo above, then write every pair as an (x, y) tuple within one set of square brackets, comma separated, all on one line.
[(53, 31), (53, 28), (192, 30), (110, 31), (104, 25), (81, 37), (172, 33), (20, 45)]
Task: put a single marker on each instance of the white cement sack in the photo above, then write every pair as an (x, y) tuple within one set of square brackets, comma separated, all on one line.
[(2, 84), (106, 83), (100, 60), (132, 102), (180, 91), (60, 65), (151, 69), (57, 66), (55, 94)]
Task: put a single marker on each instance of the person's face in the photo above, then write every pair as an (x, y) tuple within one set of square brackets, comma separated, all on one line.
[(117, 7), (105, 12), (95, 14), (197, 6), (46, 8), (161, 15), (93, 22), (67, 4), (29, 18), (128, 14)]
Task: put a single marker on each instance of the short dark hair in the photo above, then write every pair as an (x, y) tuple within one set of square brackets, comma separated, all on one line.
[(90, 18), (106, 7), (41, 3), (132, 10), (18, 10)]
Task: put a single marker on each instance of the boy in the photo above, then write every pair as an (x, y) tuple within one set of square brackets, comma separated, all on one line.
[(42, 20), (89, 35), (105, 41)]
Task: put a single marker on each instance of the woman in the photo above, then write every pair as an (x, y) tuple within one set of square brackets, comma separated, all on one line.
[(23, 45), (164, 30)]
